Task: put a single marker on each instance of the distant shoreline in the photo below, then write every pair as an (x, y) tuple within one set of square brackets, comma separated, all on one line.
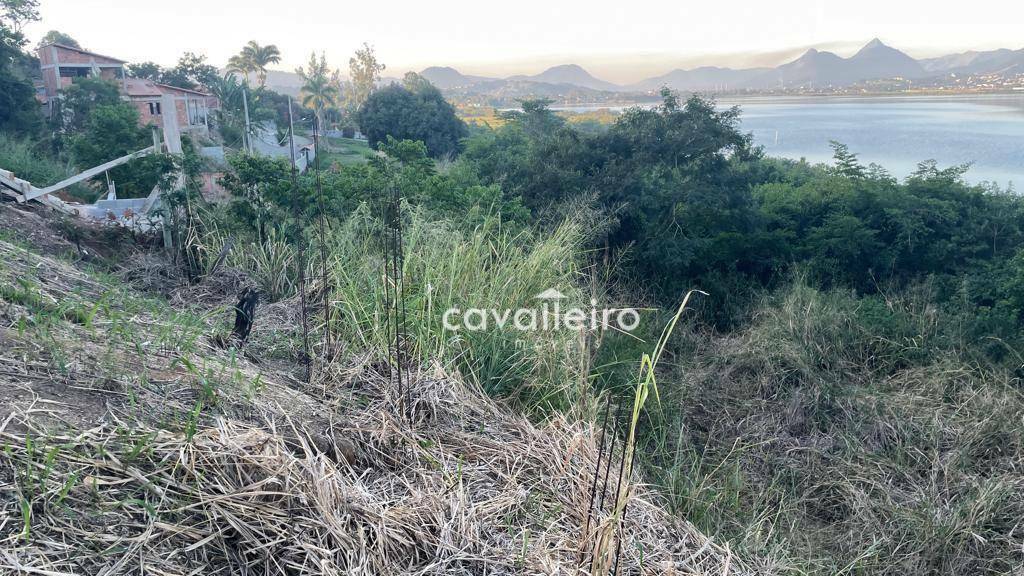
[(619, 106)]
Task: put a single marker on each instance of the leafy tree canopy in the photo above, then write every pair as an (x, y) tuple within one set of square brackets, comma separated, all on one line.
[(414, 111), (58, 37), (19, 111), (192, 72), (111, 131), (364, 72)]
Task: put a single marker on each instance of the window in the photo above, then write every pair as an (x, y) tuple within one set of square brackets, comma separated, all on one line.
[(154, 108), (196, 114), (71, 72)]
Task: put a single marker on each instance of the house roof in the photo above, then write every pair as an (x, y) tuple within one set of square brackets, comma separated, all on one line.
[(142, 88), (80, 51), (169, 88), (139, 87)]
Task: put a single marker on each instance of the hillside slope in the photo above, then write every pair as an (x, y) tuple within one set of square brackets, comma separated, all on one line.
[(133, 443)]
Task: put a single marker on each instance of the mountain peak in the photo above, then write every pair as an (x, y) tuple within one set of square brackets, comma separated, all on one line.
[(447, 77), (813, 55), (567, 68), (874, 44), (571, 74)]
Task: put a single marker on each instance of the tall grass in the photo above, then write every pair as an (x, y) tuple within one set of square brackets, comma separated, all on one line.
[(608, 544), (839, 434), (29, 161), (445, 267), (273, 264)]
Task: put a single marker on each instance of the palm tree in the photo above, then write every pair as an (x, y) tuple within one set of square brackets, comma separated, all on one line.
[(318, 90), (230, 114), (255, 58), (238, 64)]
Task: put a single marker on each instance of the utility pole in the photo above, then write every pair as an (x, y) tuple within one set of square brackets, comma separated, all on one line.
[(291, 135), (248, 129)]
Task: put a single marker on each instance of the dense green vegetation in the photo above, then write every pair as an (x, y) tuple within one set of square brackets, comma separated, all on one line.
[(693, 204), (18, 109)]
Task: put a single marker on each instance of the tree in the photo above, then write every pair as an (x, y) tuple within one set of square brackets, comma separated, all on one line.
[(19, 111), (415, 111), (229, 116), (846, 163), (364, 73), (192, 72), (14, 14), (258, 183), (112, 131), (177, 78), (237, 64), (255, 58), (195, 71), (535, 117), (145, 71), (318, 92), (672, 186), (263, 105), (78, 102), (58, 37)]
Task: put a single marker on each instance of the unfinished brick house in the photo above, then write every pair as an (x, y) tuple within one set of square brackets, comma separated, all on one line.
[(61, 64), (192, 107)]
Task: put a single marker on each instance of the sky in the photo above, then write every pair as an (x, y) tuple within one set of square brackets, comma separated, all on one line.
[(621, 41)]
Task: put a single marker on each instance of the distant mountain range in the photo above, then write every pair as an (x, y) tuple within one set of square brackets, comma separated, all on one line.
[(814, 69)]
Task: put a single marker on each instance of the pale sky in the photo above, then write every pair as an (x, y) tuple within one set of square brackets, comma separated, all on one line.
[(620, 41)]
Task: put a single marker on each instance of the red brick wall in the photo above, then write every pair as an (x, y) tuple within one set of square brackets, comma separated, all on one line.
[(145, 118), (51, 76), (71, 57), (51, 81), (46, 56)]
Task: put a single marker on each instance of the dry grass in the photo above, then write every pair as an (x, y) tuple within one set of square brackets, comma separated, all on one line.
[(469, 489)]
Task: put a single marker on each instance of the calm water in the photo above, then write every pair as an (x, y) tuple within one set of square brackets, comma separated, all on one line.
[(896, 132)]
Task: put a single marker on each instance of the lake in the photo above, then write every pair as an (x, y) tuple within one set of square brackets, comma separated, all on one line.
[(896, 132)]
